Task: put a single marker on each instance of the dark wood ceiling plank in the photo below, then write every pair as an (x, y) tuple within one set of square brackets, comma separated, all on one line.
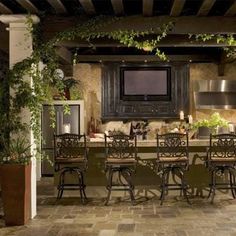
[(28, 5), (144, 58), (177, 7), (170, 41), (147, 7), (182, 25), (64, 54), (88, 6), (118, 7), (206, 7), (4, 9), (58, 6), (232, 10)]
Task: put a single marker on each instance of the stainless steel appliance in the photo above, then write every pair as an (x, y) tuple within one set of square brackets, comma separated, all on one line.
[(65, 123)]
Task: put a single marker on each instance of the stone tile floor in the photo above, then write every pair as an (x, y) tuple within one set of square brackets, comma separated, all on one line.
[(68, 217)]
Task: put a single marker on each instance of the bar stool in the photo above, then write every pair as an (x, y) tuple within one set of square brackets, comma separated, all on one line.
[(70, 157), (221, 161), (121, 159), (172, 157)]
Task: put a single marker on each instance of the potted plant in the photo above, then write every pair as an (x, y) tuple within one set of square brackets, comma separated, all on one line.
[(69, 82), (15, 170), (207, 126)]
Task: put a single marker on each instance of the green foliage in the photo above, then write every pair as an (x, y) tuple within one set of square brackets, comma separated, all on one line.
[(16, 151), (214, 121), (228, 39)]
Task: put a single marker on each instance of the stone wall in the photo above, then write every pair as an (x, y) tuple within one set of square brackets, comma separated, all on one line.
[(90, 76)]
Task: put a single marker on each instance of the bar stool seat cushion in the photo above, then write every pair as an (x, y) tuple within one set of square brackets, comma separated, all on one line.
[(223, 159), (70, 159), (125, 161), (173, 159)]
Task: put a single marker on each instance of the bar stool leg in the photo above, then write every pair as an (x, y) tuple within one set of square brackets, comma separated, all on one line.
[(184, 185), (164, 182), (232, 182), (127, 175), (61, 184), (213, 185), (109, 185)]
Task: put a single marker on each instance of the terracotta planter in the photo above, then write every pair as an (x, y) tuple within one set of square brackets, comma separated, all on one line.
[(16, 189)]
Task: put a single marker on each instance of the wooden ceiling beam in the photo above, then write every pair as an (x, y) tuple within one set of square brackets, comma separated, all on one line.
[(177, 7), (182, 25), (58, 6), (147, 7), (64, 54), (4, 9), (28, 5), (4, 39), (145, 58), (88, 6), (169, 41), (118, 7), (205, 7), (232, 10)]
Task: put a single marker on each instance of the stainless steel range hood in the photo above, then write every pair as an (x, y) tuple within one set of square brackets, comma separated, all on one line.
[(215, 94)]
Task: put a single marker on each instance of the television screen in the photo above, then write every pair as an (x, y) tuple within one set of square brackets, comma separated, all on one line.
[(144, 84)]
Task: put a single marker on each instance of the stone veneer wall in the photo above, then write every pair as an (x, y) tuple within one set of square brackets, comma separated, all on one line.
[(90, 76)]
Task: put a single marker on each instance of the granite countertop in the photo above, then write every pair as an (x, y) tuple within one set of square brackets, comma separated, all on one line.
[(99, 142)]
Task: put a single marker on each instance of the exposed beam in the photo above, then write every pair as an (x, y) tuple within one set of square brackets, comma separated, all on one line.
[(205, 7), (4, 9), (232, 10), (58, 6), (182, 24), (64, 54), (147, 7), (143, 58), (28, 5), (88, 6), (177, 7), (118, 7), (169, 41), (4, 39)]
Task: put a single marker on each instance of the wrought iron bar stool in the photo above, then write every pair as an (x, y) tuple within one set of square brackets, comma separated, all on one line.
[(221, 161), (172, 157), (120, 159), (70, 157)]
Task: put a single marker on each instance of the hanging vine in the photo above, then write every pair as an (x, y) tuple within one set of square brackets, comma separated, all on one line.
[(227, 39)]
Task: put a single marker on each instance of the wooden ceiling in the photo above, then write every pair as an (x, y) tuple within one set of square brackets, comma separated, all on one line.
[(200, 16), (120, 7)]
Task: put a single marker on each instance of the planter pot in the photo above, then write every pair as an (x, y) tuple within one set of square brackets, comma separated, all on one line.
[(16, 188), (204, 132)]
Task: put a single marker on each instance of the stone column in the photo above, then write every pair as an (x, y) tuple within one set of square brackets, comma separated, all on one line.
[(20, 47)]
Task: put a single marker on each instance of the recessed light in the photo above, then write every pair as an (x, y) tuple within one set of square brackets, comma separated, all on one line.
[(145, 61), (190, 60), (100, 61)]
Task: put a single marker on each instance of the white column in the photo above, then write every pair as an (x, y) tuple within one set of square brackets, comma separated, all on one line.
[(20, 47)]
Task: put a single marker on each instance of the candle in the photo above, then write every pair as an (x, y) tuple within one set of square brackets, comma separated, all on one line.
[(190, 119), (231, 128), (66, 128), (181, 115)]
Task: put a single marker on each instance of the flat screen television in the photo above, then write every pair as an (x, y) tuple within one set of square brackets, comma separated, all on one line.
[(145, 83)]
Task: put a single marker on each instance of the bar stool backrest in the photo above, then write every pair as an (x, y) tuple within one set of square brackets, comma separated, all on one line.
[(172, 145), (121, 147), (222, 146), (69, 148)]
